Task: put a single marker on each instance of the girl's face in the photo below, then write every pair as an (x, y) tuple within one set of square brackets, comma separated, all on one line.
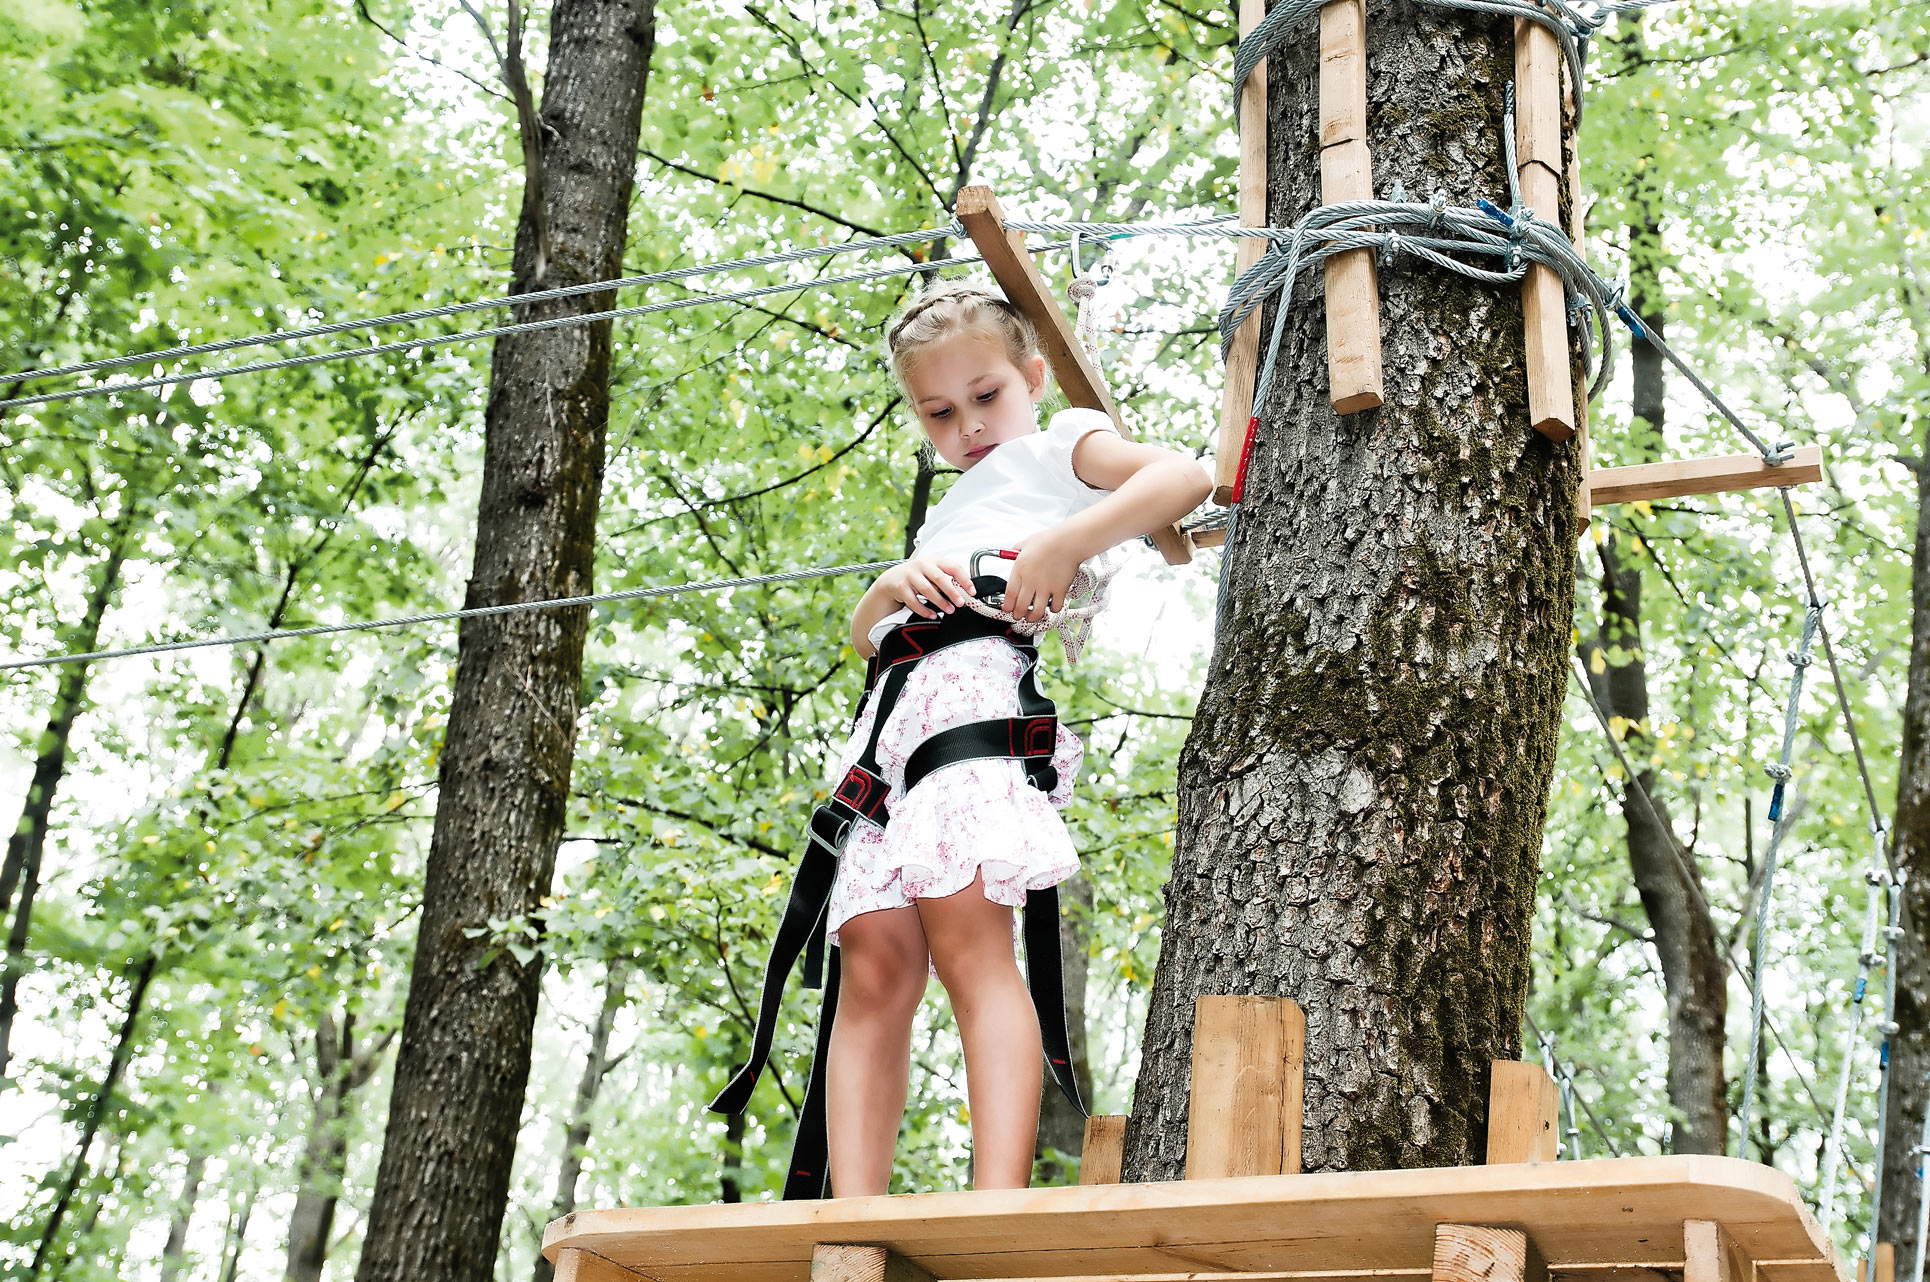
[(971, 399)]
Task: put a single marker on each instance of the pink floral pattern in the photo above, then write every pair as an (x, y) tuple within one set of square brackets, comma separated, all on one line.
[(963, 818)]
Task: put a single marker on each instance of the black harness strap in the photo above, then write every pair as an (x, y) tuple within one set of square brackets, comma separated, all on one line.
[(1031, 738)]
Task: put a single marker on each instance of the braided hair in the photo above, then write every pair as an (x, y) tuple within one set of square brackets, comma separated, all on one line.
[(955, 308)]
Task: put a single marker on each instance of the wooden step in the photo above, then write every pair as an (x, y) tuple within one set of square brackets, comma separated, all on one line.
[(1586, 1219)]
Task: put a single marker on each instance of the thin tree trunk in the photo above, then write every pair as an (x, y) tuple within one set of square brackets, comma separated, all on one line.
[(577, 1134), (29, 840), (1062, 1126), (1693, 975), (341, 1070), (174, 1256), (123, 1047), (237, 1237), (505, 769), (1909, 1093), (1363, 791)]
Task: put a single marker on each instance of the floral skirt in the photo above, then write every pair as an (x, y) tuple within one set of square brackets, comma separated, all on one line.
[(961, 820)]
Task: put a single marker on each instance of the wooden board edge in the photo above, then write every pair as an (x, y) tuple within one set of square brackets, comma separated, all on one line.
[(1678, 478)]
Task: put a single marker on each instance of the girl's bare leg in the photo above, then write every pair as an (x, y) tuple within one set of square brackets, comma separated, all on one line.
[(881, 979), (971, 945)]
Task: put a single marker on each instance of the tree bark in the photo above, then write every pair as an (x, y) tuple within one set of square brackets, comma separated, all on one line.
[(443, 1183), (1909, 1093), (1062, 1126), (1363, 792), (576, 1135), (29, 840)]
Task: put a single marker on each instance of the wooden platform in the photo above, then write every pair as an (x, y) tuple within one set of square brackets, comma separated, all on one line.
[(1622, 1217)]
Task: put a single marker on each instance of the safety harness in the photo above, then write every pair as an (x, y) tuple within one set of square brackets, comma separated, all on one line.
[(1030, 738)]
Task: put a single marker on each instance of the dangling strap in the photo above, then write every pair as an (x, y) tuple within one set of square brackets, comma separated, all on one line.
[(809, 1175), (1045, 977)]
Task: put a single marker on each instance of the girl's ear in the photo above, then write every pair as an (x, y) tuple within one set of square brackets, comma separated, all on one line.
[(1034, 370)]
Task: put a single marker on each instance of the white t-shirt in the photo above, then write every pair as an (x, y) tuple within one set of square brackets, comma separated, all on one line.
[(1017, 490)]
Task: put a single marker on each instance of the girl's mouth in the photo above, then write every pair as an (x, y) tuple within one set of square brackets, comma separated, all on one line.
[(981, 451)]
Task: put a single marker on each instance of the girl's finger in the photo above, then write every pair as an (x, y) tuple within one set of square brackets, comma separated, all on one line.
[(915, 586), (961, 579)]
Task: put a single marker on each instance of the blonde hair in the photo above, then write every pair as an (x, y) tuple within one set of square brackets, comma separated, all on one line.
[(956, 309)]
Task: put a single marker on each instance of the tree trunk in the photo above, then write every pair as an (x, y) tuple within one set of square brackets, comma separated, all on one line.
[(1909, 1092), (1363, 792), (29, 839), (174, 1256), (505, 769), (1693, 974), (577, 1133), (341, 1071), (1062, 1126), (237, 1237)]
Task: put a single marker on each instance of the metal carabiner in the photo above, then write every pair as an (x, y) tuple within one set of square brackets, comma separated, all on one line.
[(997, 599)]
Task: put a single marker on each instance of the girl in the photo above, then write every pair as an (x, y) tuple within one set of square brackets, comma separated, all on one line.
[(937, 885)]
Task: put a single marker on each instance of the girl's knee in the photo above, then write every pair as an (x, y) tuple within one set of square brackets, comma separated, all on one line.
[(880, 970)]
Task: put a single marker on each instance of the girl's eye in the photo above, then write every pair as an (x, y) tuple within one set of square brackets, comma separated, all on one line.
[(941, 413), (985, 397)]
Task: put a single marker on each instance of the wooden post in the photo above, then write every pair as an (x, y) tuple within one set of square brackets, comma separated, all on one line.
[(863, 1264), (1244, 1116), (1243, 358), (1709, 1254), (1524, 1122), (1551, 376), (1885, 1262), (573, 1265), (1104, 1153), (1576, 230), (1474, 1253), (1005, 253), (1347, 173)]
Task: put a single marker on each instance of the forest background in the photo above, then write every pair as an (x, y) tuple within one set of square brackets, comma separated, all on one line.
[(234, 840)]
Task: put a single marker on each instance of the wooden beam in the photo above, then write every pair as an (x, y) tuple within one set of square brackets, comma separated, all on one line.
[(1678, 477), (1005, 253), (1523, 1118), (1576, 231), (1710, 1254), (1551, 375), (1886, 1262), (833, 1263), (1243, 357), (1347, 173), (1104, 1154), (1476, 1253), (1244, 1115)]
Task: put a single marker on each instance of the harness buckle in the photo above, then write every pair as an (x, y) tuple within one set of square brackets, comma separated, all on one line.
[(830, 829), (864, 793)]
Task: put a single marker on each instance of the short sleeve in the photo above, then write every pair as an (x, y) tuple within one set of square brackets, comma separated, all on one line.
[(1066, 430)]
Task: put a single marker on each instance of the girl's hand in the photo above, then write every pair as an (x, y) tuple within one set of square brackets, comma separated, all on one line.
[(944, 583), (1042, 575)]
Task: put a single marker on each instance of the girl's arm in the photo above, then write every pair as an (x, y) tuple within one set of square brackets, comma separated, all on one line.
[(1151, 488), (944, 583)]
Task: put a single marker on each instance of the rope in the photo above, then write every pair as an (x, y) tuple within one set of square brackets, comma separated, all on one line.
[(482, 304), (439, 616), (1880, 881), (1688, 875), (495, 331), (1799, 661), (1889, 1028)]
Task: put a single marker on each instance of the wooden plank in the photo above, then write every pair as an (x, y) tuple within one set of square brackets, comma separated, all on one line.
[(1709, 1254), (1243, 357), (1244, 1114), (1478, 1253), (1104, 1154), (1209, 538), (1347, 173), (1678, 477), (836, 1263), (1609, 1211), (1576, 231), (1551, 375), (1523, 1122), (573, 1265), (1005, 253), (1885, 1262)]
